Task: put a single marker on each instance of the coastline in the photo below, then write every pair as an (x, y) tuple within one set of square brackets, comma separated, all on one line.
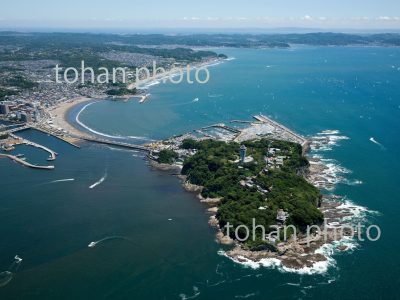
[(291, 256), (303, 254), (172, 73), (59, 113), (59, 116)]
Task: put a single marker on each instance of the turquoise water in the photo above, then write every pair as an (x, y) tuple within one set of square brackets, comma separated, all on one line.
[(50, 224)]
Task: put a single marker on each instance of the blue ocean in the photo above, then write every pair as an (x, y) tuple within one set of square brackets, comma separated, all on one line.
[(152, 239)]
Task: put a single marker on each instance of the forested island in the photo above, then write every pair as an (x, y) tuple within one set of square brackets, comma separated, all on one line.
[(262, 190), (270, 180)]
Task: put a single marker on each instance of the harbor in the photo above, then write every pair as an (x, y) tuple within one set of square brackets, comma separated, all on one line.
[(243, 130)]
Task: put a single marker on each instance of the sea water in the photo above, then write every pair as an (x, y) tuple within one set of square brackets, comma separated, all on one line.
[(166, 249)]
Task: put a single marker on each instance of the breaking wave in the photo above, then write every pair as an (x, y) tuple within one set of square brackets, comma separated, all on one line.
[(358, 213), (326, 140), (102, 133), (274, 263)]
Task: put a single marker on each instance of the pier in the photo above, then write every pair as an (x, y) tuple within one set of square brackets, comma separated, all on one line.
[(52, 155), (241, 121), (222, 126), (16, 129), (26, 164), (38, 128), (57, 136)]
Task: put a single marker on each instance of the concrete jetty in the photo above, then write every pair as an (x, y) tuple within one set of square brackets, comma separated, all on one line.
[(54, 135), (26, 164), (52, 154), (222, 126), (283, 130), (43, 130)]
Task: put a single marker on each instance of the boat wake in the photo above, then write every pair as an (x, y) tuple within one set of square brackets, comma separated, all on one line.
[(7, 276), (62, 180), (196, 293), (114, 237), (101, 180), (246, 296), (215, 95), (377, 143)]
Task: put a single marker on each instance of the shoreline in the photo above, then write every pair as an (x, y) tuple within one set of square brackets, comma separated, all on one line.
[(303, 255), (59, 113), (291, 255), (160, 77), (59, 116)]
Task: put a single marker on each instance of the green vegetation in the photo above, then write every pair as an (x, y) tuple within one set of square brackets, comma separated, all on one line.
[(121, 92), (214, 167), (12, 82), (71, 48), (167, 156), (4, 93), (18, 81), (47, 42)]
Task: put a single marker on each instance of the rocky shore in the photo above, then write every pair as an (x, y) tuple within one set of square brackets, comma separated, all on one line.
[(296, 253), (300, 252)]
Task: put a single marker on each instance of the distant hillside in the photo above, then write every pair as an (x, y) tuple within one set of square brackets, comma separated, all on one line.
[(69, 40)]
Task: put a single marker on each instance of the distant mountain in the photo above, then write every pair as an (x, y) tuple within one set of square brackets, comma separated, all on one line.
[(199, 40)]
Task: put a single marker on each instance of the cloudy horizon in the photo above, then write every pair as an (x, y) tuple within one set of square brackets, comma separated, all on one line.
[(311, 14)]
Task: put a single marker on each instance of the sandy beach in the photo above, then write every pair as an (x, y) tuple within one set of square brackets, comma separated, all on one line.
[(165, 76), (59, 115)]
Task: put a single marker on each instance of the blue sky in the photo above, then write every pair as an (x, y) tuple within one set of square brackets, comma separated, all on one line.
[(358, 14)]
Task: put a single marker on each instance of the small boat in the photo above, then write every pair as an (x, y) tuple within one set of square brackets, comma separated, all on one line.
[(92, 244), (195, 99), (20, 155)]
